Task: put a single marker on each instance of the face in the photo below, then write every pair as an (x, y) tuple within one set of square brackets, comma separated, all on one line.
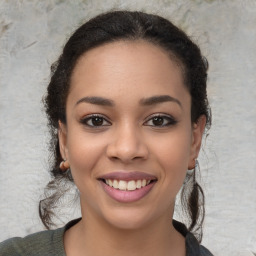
[(128, 137)]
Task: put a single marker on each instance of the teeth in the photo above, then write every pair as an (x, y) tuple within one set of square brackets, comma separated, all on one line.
[(127, 185), (138, 184), (122, 185), (115, 184), (131, 185)]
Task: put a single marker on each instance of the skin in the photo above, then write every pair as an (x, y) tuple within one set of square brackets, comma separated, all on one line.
[(126, 73)]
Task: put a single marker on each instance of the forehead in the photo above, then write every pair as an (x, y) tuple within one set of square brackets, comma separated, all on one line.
[(127, 67), (130, 50)]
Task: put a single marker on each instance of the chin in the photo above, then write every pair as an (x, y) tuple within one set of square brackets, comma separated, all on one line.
[(128, 219), (128, 223)]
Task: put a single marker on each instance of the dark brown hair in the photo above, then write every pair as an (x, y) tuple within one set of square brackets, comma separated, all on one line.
[(107, 28)]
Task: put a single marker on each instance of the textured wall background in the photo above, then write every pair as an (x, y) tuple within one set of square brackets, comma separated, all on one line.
[(31, 36)]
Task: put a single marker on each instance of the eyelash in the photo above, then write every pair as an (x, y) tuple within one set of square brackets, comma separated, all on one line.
[(90, 118), (167, 121)]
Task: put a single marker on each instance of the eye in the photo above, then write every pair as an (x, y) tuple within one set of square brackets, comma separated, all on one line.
[(160, 121), (95, 121)]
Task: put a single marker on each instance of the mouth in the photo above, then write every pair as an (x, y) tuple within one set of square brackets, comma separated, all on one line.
[(130, 185), (127, 187)]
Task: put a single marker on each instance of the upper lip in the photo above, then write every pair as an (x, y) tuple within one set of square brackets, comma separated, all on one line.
[(134, 175)]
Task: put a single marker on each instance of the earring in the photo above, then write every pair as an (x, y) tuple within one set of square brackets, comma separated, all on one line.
[(191, 173), (194, 166), (64, 165)]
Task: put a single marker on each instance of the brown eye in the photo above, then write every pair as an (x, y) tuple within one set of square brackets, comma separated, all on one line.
[(95, 121), (160, 121)]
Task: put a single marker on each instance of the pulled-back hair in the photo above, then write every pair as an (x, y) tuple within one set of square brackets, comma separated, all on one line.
[(107, 28)]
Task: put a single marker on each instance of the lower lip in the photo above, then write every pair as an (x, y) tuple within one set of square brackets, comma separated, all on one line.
[(126, 196)]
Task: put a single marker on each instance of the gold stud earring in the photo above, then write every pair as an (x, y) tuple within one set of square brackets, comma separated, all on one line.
[(194, 165), (64, 165)]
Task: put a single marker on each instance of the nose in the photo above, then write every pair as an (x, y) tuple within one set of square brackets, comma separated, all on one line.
[(127, 145)]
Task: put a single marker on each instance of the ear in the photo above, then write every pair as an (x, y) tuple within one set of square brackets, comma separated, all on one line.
[(197, 134), (62, 134)]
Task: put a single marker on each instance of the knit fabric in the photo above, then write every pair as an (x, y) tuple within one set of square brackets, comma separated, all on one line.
[(50, 243)]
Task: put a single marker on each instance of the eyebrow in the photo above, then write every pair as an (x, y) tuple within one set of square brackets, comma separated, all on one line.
[(97, 101), (144, 102), (159, 99)]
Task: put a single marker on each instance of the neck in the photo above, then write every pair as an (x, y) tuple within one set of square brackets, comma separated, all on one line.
[(91, 236)]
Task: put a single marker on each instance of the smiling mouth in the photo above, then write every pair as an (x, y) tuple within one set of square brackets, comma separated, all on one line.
[(127, 187), (130, 185)]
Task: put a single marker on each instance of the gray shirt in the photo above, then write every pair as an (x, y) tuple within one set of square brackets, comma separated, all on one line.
[(50, 243)]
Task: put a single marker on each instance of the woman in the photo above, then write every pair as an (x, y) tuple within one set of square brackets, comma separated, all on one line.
[(127, 108)]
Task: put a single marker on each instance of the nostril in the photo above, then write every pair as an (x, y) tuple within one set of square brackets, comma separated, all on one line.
[(114, 158)]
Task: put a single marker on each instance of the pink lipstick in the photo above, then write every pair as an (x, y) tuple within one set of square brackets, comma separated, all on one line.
[(127, 187)]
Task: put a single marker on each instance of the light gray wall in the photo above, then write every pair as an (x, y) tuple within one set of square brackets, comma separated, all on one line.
[(31, 36)]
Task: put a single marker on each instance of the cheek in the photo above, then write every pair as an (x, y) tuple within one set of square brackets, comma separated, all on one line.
[(84, 154), (173, 154), (173, 149)]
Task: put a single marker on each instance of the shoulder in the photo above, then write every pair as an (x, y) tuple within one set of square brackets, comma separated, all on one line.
[(48, 242)]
